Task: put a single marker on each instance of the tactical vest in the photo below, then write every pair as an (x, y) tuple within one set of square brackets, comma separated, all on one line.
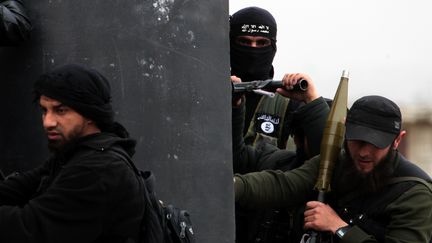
[(268, 121), (267, 125)]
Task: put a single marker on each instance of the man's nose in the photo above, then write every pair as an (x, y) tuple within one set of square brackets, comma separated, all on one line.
[(49, 120), (365, 149)]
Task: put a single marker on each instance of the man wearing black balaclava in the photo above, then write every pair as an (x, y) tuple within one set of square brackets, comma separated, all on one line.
[(252, 49), (86, 191), (267, 119), (253, 44)]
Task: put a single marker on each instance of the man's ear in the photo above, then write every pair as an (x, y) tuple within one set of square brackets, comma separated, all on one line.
[(398, 139), (91, 127)]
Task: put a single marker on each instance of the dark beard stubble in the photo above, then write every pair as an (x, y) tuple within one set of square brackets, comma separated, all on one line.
[(351, 179), (58, 146)]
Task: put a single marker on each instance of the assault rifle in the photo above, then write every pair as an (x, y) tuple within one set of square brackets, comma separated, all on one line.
[(266, 87)]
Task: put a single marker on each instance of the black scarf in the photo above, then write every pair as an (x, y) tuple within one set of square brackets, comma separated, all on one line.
[(250, 63), (83, 89)]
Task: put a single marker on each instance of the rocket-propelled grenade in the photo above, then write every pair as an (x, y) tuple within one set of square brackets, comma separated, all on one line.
[(333, 136)]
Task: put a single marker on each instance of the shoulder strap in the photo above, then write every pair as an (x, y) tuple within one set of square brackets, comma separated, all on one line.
[(405, 172), (407, 175), (152, 224), (147, 176), (369, 213), (408, 169), (411, 178), (124, 156)]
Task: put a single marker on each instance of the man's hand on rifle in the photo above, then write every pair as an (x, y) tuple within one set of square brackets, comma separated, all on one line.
[(321, 217), (291, 79), (236, 98)]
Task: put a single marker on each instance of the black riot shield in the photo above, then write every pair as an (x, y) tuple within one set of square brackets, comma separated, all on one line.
[(168, 65)]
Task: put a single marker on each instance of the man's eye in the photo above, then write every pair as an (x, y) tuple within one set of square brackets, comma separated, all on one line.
[(245, 42), (43, 110), (61, 110), (263, 43)]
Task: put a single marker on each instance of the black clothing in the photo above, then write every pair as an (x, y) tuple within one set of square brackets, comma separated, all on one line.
[(15, 26), (85, 194), (374, 119), (252, 63), (252, 101), (253, 21)]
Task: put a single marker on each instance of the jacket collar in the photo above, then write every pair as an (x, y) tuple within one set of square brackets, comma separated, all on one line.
[(97, 141)]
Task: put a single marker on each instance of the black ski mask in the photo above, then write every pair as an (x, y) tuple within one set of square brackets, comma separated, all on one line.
[(251, 63)]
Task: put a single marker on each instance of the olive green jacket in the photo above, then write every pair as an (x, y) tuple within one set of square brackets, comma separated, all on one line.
[(410, 215)]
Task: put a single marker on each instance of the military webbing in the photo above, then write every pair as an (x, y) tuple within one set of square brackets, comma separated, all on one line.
[(271, 111)]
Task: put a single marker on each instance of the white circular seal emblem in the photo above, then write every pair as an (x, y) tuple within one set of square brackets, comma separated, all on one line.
[(267, 127)]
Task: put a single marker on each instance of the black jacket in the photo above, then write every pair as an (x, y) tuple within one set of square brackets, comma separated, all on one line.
[(88, 195), (15, 26)]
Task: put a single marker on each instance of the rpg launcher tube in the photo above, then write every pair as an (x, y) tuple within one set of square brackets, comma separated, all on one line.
[(269, 85), (333, 137)]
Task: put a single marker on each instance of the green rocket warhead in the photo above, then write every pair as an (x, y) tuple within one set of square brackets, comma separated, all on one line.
[(333, 136)]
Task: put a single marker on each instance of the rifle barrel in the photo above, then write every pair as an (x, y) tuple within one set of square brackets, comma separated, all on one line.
[(270, 85)]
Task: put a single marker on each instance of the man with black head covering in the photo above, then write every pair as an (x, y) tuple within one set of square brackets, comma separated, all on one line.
[(253, 43), (86, 191), (253, 33), (268, 120), (376, 194)]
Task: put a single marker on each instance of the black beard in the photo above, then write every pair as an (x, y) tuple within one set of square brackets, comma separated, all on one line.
[(59, 146), (351, 179), (61, 149), (55, 145)]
